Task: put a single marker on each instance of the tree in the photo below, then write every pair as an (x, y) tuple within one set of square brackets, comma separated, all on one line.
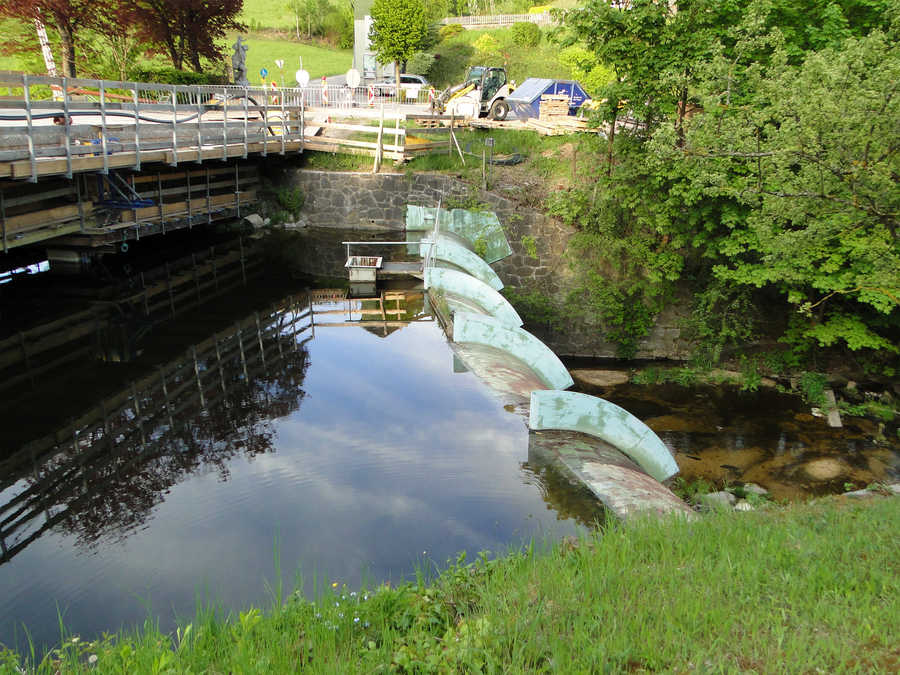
[(189, 29), (812, 157), (309, 12), (66, 16), (399, 30)]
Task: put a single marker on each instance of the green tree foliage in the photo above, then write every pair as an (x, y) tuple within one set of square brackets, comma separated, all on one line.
[(762, 165), (420, 63), (812, 158), (526, 34), (450, 30), (399, 29)]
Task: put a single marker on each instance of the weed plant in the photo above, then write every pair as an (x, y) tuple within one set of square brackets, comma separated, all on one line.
[(810, 588)]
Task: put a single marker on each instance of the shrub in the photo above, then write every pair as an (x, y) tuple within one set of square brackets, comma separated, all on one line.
[(526, 34), (450, 30), (487, 44), (420, 63), (167, 75)]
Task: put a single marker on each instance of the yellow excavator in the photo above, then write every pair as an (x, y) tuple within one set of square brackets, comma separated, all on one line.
[(482, 93)]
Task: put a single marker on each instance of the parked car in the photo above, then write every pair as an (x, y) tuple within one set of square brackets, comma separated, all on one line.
[(387, 86)]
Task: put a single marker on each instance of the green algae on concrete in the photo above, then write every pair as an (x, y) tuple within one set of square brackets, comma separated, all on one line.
[(595, 416), (473, 226), (464, 292), (445, 250), (486, 330)]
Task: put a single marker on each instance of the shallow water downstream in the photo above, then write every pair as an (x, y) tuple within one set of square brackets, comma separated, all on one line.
[(727, 436)]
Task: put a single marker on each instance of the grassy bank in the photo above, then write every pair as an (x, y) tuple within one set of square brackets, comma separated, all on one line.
[(809, 588)]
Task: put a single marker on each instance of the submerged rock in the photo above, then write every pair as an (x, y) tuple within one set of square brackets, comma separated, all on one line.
[(826, 468), (600, 378), (754, 489)]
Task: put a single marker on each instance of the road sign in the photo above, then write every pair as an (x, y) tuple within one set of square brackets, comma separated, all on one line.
[(263, 72), (302, 77), (353, 78), (279, 63), (489, 142)]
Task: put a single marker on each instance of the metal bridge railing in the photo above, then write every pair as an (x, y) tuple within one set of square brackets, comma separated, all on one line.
[(38, 113)]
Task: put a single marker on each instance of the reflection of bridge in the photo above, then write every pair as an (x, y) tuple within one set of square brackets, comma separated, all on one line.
[(105, 470), (155, 295)]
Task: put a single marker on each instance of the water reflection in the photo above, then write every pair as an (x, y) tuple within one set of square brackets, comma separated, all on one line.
[(331, 435), (102, 475)]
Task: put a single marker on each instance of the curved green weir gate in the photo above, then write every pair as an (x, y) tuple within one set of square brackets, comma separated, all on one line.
[(465, 293), (619, 458), (598, 417)]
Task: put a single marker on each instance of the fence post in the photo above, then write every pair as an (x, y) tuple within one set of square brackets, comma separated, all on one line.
[(137, 131), (31, 157), (174, 161), (103, 146), (377, 165), (67, 125)]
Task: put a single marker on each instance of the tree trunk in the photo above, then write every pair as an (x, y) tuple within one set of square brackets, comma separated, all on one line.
[(194, 53), (612, 137), (682, 110), (297, 22), (67, 47)]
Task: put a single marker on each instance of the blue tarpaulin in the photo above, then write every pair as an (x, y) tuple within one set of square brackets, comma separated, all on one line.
[(525, 101)]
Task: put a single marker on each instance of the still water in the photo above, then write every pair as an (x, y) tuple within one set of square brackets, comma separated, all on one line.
[(334, 451)]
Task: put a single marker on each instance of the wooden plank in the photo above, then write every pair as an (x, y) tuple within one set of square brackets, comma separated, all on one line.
[(151, 213), (45, 217), (49, 167), (199, 173), (356, 127)]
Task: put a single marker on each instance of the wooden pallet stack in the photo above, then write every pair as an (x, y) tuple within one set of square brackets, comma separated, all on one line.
[(553, 106)]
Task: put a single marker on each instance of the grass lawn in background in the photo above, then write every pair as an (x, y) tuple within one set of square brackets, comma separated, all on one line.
[(317, 60), (267, 14)]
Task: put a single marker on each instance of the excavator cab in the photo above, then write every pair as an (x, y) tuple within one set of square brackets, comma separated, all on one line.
[(491, 81), (483, 92)]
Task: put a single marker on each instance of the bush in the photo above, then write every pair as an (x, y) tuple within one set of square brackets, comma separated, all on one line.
[(420, 63), (526, 34), (487, 44), (450, 30), (168, 75)]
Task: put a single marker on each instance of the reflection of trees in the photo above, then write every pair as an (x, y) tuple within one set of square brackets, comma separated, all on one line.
[(569, 498), (566, 495), (103, 475)]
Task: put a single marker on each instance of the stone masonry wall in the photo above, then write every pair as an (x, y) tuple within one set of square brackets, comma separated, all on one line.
[(378, 201)]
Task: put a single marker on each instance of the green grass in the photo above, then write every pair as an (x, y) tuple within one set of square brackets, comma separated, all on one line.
[(808, 588), (267, 14), (317, 60)]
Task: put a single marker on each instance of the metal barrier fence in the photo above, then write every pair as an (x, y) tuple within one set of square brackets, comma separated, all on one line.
[(543, 19), (39, 118)]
